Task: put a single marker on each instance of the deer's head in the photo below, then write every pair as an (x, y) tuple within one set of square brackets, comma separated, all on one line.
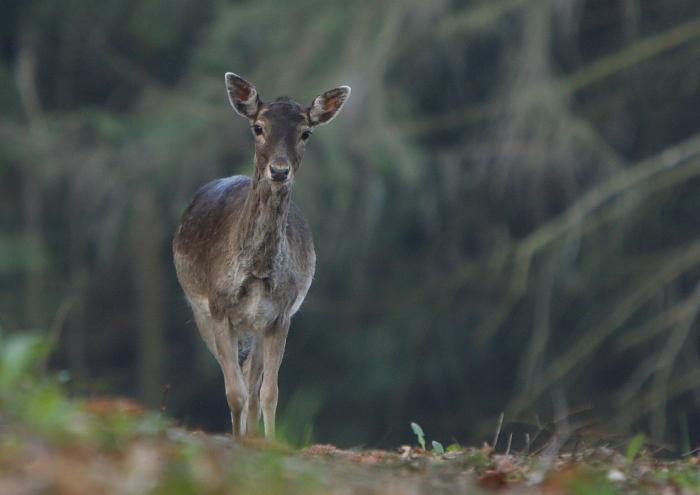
[(281, 127)]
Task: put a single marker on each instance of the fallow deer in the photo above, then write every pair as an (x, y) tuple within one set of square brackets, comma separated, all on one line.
[(244, 253)]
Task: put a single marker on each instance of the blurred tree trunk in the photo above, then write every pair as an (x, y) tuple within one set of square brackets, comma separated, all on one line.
[(149, 281), (76, 335), (31, 196), (25, 78)]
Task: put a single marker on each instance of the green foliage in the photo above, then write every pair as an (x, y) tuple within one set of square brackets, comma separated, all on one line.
[(295, 423), (35, 408), (418, 431), (634, 447), (685, 476), (587, 481), (19, 355), (437, 446), (476, 458), (39, 403), (28, 399)]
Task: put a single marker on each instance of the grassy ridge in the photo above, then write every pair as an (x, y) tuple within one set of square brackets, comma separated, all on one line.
[(50, 443)]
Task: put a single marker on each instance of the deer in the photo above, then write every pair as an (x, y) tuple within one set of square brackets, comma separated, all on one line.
[(244, 254)]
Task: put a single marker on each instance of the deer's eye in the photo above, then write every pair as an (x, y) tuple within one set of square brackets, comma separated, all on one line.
[(306, 135), (258, 130)]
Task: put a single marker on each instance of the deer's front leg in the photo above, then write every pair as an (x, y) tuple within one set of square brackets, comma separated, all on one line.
[(253, 371), (273, 350), (236, 390)]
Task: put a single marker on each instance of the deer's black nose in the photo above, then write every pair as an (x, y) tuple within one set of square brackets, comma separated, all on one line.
[(279, 172)]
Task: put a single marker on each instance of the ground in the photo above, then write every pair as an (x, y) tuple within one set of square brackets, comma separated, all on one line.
[(51, 443), (113, 446)]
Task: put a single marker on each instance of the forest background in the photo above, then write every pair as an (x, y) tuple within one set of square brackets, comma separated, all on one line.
[(506, 212)]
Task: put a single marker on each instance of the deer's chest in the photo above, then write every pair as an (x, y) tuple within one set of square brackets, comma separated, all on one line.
[(253, 304)]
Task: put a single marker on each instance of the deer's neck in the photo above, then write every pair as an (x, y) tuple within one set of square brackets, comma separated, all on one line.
[(261, 234)]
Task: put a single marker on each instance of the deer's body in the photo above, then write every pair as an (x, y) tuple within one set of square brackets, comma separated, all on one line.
[(244, 253)]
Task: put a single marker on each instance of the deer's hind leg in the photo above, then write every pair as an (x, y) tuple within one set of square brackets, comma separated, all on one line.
[(202, 316)]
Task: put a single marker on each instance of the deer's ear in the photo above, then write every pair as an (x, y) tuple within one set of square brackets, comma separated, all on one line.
[(243, 96), (326, 106)]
